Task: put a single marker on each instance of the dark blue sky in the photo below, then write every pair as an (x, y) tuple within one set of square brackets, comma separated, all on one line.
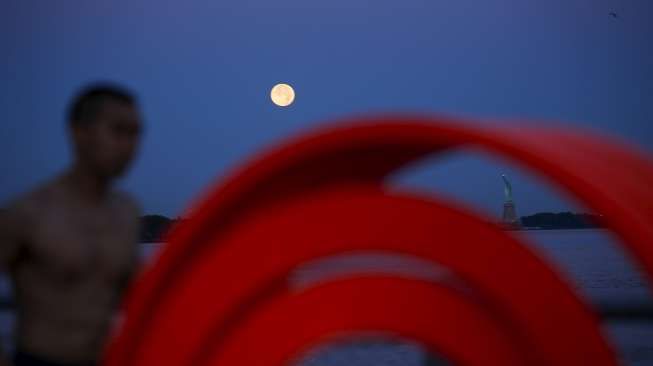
[(203, 71)]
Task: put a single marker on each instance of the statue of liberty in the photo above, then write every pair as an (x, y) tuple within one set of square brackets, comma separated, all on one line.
[(507, 188)]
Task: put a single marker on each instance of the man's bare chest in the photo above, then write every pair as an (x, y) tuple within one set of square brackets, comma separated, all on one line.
[(81, 244)]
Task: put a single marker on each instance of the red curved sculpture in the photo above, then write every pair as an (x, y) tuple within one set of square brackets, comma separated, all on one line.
[(372, 220), (335, 311), (591, 169)]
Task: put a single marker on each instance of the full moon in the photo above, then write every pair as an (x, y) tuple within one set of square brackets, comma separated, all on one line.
[(282, 95)]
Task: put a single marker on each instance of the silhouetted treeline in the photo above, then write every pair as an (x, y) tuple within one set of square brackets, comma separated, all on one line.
[(154, 227), (561, 220)]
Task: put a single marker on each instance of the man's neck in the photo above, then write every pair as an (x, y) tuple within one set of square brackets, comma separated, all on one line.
[(90, 187)]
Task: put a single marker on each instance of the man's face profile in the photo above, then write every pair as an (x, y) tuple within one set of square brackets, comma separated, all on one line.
[(108, 142)]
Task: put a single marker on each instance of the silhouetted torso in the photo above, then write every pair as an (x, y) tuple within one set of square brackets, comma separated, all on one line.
[(70, 269)]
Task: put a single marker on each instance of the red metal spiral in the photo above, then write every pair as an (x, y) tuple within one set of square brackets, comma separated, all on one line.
[(322, 194)]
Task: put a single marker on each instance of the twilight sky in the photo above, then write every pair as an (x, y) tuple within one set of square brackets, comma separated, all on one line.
[(203, 71)]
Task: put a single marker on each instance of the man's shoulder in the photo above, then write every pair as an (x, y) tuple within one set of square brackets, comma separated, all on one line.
[(19, 214), (30, 207), (27, 205)]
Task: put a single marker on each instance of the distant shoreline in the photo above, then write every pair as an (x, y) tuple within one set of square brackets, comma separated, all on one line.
[(154, 227), (561, 221), (516, 229), (557, 229)]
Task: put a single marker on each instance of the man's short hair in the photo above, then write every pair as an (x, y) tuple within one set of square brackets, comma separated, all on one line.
[(88, 103)]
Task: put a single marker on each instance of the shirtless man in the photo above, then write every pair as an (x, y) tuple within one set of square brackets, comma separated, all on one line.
[(70, 245)]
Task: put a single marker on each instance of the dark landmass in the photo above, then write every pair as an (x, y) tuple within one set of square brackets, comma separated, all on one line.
[(561, 220), (154, 227)]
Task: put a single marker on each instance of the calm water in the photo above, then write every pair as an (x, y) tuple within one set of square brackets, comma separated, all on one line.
[(600, 271)]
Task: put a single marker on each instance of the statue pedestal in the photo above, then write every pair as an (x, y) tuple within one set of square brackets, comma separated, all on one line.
[(509, 219)]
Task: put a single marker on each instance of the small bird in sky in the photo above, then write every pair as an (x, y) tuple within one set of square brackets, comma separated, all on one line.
[(613, 14)]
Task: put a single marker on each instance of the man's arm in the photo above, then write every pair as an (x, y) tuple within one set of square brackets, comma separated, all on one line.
[(132, 212), (11, 226), (10, 238)]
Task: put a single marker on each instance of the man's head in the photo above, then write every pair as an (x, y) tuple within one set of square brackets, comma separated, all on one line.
[(105, 128)]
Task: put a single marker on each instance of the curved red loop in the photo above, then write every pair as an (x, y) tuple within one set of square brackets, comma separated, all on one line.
[(343, 309), (520, 287), (368, 152)]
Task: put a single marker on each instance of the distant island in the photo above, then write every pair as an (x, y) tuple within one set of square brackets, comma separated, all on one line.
[(154, 227), (561, 220)]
